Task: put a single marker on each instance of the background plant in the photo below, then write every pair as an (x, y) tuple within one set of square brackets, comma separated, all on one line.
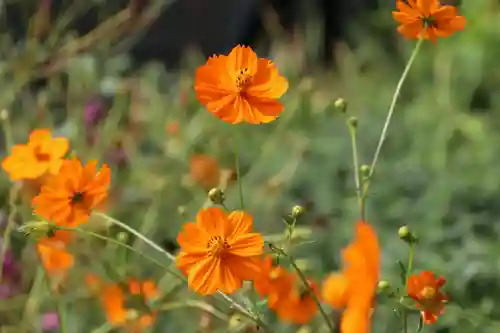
[(437, 171)]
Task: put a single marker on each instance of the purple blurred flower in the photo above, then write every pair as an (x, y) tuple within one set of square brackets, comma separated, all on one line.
[(9, 285), (50, 321), (94, 112)]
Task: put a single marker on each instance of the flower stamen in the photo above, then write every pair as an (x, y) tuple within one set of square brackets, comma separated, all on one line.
[(77, 198), (243, 79), (429, 21), (217, 246), (428, 292)]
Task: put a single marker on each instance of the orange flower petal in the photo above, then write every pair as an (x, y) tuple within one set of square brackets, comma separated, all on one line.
[(37, 136), (245, 268), (242, 57), (205, 277), (247, 245), (239, 223), (212, 220), (335, 290)]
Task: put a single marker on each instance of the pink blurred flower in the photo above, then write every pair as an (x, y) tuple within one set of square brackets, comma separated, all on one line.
[(50, 321)]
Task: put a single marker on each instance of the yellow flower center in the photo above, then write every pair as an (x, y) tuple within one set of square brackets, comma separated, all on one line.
[(428, 292), (243, 79), (217, 246)]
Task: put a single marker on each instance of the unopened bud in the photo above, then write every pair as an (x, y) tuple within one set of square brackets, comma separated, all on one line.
[(181, 210), (353, 122), (384, 285), (298, 211), (216, 196), (365, 171), (406, 235), (341, 105), (38, 229), (122, 237)]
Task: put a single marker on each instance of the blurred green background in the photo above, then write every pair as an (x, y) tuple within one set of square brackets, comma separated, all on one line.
[(438, 172)]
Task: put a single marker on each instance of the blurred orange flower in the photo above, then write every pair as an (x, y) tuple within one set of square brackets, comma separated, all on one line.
[(69, 197), (269, 278), (120, 304), (219, 251), (354, 288), (172, 128), (424, 288), (297, 305), (55, 259), (427, 19), (241, 87), (285, 293), (40, 155), (205, 171)]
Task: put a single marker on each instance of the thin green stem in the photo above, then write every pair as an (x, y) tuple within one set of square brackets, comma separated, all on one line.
[(388, 119), (357, 181), (13, 193), (404, 315), (306, 284), (32, 305), (410, 261), (238, 171), (404, 319), (123, 245), (61, 312), (235, 305), (195, 304)]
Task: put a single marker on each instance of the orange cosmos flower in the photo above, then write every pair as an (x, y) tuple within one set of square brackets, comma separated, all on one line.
[(69, 197), (120, 301), (205, 171), (241, 87), (296, 305), (285, 293), (427, 19), (219, 251), (55, 259), (270, 277), (40, 155), (355, 287), (424, 288)]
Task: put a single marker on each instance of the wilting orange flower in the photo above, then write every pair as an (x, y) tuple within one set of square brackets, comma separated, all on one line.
[(354, 288), (424, 288), (205, 171), (40, 155), (119, 303), (219, 251), (427, 19), (69, 197), (241, 87)]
